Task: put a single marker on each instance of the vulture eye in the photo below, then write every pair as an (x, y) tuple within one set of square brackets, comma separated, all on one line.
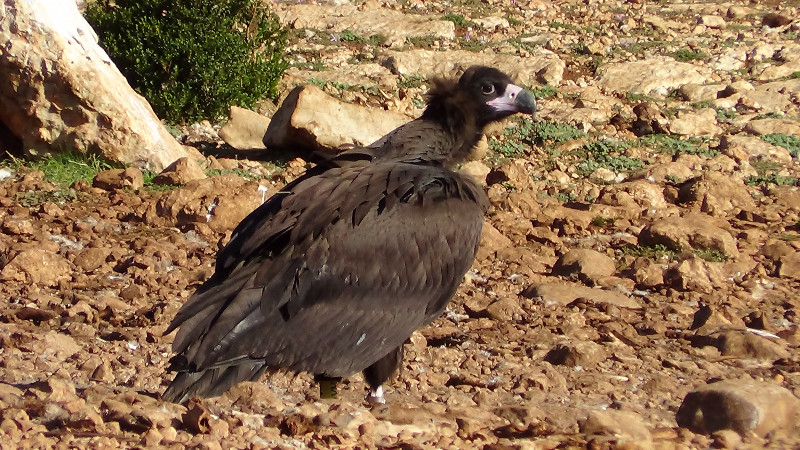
[(488, 88)]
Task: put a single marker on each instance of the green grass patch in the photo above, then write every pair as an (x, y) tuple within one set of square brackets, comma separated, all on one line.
[(602, 221), (608, 154), (349, 36), (239, 172), (787, 141), (671, 145), (762, 180), (421, 41), (562, 25), (459, 20), (657, 252), (411, 81), (686, 55), (63, 168), (543, 132), (544, 91), (712, 255)]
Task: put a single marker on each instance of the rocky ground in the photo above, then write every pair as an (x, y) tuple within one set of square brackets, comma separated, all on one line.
[(637, 286)]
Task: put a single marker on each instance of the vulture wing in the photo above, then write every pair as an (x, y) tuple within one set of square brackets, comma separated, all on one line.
[(332, 274)]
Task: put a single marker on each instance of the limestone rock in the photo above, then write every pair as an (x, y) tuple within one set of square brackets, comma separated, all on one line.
[(589, 265), (742, 343), (741, 405), (582, 353), (395, 25), (221, 202), (624, 426), (66, 92), (245, 129), (635, 194), (694, 231), (744, 147), (695, 123), (650, 76), (311, 119), (790, 266), (131, 178), (565, 293), (543, 66), (771, 126), (718, 194), (37, 266), (695, 274), (477, 170), (180, 172), (712, 21)]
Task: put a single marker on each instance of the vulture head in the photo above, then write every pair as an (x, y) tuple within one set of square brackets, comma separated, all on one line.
[(498, 97), (482, 95)]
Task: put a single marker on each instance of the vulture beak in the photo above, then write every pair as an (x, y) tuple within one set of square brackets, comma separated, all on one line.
[(514, 100)]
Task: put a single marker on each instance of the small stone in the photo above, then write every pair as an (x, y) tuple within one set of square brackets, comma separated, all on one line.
[(726, 439), (622, 425), (587, 264), (584, 354), (712, 21), (180, 172), (701, 122), (565, 293), (111, 179), (477, 170), (790, 266), (741, 405)]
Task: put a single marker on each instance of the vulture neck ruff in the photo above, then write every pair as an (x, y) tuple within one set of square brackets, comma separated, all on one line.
[(454, 109)]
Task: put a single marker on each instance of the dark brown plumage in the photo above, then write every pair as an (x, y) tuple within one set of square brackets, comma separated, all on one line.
[(332, 274)]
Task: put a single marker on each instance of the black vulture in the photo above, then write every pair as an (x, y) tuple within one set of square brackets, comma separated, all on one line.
[(333, 273)]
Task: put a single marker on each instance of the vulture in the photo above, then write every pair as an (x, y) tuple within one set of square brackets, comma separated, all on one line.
[(334, 272)]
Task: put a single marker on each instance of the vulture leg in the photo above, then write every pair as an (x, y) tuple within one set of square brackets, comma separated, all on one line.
[(380, 371), (327, 386)]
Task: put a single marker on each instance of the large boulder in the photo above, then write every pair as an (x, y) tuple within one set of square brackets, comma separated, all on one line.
[(60, 90), (312, 120)]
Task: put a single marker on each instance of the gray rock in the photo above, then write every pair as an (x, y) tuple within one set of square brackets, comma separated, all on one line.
[(68, 94), (653, 76), (311, 119), (744, 406)]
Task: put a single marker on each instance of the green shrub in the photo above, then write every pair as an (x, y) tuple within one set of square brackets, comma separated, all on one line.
[(192, 59)]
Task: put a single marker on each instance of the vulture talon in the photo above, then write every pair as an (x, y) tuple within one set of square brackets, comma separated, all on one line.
[(334, 272)]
